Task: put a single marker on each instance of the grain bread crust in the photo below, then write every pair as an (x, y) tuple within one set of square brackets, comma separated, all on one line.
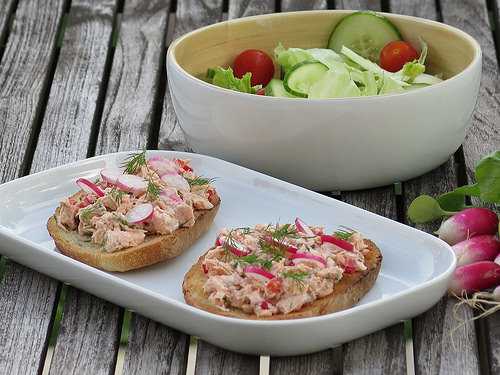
[(347, 292), (155, 248)]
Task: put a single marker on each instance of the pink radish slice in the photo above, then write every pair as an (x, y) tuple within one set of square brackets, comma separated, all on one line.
[(468, 223), (474, 277), (170, 196), (303, 228), (111, 175), (89, 187), (258, 273), (306, 257), (176, 181), (343, 244), (163, 166), (476, 249), (219, 241), (140, 213), (237, 248), (132, 184)]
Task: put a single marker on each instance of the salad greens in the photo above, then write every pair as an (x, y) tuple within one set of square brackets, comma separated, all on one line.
[(487, 188), (225, 78)]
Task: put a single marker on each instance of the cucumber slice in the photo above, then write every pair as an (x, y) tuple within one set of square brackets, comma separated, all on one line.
[(366, 33), (275, 88), (301, 77)]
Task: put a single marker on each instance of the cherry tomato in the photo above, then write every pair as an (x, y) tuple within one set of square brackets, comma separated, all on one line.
[(262, 91), (395, 54), (256, 62)]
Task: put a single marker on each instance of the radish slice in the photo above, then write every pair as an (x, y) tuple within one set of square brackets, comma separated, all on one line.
[(132, 184), (140, 213), (306, 257), (343, 244), (163, 166), (176, 181), (89, 187), (170, 196), (303, 228), (258, 273), (111, 175), (237, 248)]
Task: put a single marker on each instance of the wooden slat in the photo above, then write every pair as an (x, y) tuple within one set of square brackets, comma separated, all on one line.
[(190, 15), (6, 9), (295, 5), (433, 345), (323, 363), (358, 4), (130, 104), (155, 349), (211, 359), (483, 137), (88, 338), (68, 121), (27, 299)]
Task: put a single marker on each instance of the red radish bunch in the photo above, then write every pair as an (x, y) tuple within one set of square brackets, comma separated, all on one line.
[(472, 232)]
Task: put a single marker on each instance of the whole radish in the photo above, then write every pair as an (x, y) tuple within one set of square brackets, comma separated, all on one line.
[(476, 249), (474, 277), (468, 223)]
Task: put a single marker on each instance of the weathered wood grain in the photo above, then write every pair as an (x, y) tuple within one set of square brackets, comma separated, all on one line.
[(27, 304), (24, 76), (27, 299), (422, 8), (190, 15), (88, 337), (245, 8), (6, 9), (295, 5), (77, 84), (483, 136), (130, 103), (493, 331), (155, 349), (358, 4), (211, 360), (323, 363)]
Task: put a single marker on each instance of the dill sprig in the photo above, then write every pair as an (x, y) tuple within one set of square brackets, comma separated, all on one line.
[(297, 276), (153, 190), (199, 181), (280, 232), (254, 259), (275, 251), (134, 161), (343, 234), (86, 213), (117, 194)]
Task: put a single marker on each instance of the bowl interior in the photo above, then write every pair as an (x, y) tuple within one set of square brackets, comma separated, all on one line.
[(450, 50)]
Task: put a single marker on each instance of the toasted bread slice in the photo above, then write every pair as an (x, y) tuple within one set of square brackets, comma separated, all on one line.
[(156, 248), (347, 292)]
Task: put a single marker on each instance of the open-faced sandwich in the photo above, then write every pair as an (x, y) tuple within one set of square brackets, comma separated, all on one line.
[(285, 271), (151, 211)]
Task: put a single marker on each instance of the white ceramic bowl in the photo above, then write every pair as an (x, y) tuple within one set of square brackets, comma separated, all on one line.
[(328, 144)]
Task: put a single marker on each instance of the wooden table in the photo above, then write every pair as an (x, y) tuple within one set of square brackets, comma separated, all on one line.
[(86, 77)]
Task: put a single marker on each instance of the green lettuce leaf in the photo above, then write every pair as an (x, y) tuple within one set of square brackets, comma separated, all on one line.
[(225, 78), (336, 83)]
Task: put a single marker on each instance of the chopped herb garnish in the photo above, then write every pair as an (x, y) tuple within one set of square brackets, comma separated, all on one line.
[(343, 234), (284, 231), (255, 259), (153, 190), (199, 181), (134, 162), (298, 276), (116, 195), (87, 213), (275, 251)]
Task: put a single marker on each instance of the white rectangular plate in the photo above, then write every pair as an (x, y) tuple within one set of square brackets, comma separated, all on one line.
[(415, 269)]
